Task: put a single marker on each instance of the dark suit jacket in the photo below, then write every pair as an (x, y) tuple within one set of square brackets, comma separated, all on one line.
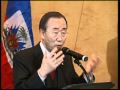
[(26, 64)]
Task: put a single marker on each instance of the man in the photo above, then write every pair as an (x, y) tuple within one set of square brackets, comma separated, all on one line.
[(45, 65)]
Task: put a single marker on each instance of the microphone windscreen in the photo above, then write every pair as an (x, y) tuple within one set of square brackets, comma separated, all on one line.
[(65, 50)]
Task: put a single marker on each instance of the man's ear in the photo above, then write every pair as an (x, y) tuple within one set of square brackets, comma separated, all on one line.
[(42, 34)]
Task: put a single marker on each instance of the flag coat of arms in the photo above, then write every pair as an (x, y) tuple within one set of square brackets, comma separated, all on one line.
[(16, 35)]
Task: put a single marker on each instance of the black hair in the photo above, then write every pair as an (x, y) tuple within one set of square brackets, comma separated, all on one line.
[(47, 16)]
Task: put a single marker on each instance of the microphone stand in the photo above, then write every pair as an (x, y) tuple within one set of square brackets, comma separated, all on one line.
[(79, 64)]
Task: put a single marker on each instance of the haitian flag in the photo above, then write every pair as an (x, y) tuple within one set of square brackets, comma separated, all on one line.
[(16, 35)]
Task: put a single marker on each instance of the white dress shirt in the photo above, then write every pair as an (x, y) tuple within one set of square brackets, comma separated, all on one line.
[(43, 50)]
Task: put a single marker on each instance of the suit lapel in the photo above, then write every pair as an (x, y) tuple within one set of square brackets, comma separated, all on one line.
[(38, 56)]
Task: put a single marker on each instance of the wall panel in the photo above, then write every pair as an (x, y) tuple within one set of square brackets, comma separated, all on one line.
[(92, 28)]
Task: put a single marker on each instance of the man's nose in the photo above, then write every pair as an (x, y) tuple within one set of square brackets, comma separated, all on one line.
[(59, 36)]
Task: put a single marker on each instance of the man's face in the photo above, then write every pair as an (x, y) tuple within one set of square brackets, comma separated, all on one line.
[(55, 34)]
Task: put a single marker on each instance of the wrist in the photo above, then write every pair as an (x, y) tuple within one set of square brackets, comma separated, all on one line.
[(42, 73)]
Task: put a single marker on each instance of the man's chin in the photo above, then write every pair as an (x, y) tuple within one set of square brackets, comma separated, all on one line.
[(59, 47)]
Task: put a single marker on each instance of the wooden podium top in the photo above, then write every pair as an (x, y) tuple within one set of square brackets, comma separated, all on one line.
[(101, 85)]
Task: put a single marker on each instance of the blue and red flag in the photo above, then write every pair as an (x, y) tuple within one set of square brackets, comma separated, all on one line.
[(16, 35)]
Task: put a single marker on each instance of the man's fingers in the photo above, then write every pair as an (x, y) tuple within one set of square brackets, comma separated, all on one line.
[(59, 60), (57, 55), (92, 63), (53, 52)]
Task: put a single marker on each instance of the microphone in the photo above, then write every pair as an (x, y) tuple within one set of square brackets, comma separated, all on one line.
[(74, 54), (77, 57)]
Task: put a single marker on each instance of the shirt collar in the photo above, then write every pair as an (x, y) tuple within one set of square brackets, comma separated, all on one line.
[(43, 48)]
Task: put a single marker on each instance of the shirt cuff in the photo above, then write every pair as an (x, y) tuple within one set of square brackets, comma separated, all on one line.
[(42, 78), (89, 78)]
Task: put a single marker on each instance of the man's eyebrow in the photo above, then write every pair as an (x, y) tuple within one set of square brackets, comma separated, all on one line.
[(58, 28), (55, 28), (64, 28)]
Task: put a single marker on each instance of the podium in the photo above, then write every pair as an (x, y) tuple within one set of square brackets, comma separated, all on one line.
[(101, 85)]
